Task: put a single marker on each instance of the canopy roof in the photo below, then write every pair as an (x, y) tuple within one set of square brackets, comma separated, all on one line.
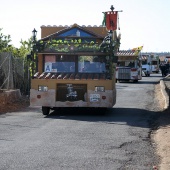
[(127, 53)]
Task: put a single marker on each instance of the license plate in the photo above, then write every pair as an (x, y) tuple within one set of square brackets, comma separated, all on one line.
[(94, 97)]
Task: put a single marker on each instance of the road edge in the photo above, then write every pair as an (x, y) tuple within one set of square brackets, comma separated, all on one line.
[(165, 95)]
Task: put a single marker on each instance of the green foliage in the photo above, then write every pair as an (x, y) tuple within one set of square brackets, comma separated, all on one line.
[(25, 48), (68, 45), (4, 41), (21, 52)]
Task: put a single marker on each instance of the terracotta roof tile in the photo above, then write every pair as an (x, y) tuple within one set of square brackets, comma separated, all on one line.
[(72, 76), (126, 52), (77, 77), (83, 77), (103, 77), (60, 76), (66, 76), (90, 76)]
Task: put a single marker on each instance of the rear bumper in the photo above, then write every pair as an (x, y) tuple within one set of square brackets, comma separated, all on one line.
[(106, 99)]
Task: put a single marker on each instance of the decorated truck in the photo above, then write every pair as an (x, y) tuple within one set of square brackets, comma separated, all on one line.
[(129, 66), (75, 67)]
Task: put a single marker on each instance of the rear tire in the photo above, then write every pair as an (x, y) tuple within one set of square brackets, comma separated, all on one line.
[(45, 110)]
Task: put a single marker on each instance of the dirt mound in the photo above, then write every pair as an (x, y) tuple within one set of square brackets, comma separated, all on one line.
[(17, 105)]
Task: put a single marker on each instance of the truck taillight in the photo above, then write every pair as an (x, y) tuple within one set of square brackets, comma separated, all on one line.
[(38, 96), (103, 97), (133, 69)]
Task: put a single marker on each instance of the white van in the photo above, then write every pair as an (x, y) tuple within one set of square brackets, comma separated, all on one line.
[(147, 69)]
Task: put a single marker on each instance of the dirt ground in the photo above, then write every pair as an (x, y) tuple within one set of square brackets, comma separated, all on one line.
[(160, 136), (22, 103)]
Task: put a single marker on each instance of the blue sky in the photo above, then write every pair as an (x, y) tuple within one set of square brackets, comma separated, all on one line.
[(142, 22)]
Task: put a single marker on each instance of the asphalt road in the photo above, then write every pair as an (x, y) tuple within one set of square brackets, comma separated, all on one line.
[(84, 139)]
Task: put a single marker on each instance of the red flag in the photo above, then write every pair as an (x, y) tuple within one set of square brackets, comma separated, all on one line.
[(111, 20)]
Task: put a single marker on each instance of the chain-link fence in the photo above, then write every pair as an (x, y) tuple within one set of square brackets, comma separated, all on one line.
[(14, 73)]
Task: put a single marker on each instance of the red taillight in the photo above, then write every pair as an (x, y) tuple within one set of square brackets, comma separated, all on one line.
[(103, 97), (133, 69), (38, 96)]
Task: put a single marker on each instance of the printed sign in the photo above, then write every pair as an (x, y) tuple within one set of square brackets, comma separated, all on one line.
[(94, 97), (49, 59), (48, 67)]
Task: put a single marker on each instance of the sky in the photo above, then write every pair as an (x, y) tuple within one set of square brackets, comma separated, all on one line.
[(142, 23)]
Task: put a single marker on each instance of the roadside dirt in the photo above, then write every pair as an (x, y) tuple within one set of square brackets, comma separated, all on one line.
[(22, 103), (160, 136)]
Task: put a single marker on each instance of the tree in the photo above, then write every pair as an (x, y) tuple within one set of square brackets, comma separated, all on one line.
[(23, 83), (20, 67), (4, 41)]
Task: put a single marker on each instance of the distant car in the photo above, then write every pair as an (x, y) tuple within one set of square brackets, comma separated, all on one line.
[(147, 69)]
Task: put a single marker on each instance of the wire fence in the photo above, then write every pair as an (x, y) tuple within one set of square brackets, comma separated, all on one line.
[(14, 73)]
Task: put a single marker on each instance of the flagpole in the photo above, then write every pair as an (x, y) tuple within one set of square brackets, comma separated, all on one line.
[(112, 10)]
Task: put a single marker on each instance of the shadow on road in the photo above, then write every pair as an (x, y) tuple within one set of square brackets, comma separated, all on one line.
[(131, 116), (164, 118)]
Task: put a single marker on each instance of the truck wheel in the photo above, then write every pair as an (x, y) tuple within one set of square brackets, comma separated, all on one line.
[(45, 110)]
